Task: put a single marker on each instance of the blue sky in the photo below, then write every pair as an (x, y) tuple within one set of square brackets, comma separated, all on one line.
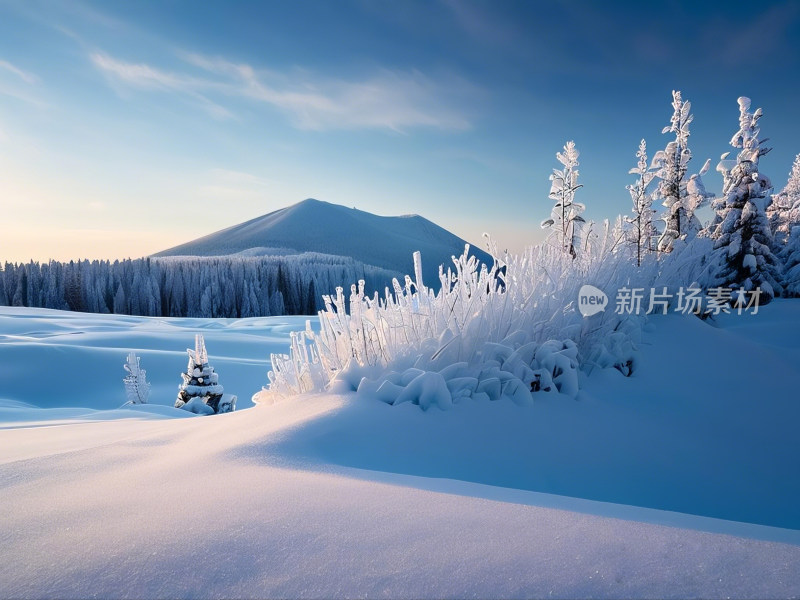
[(129, 127)]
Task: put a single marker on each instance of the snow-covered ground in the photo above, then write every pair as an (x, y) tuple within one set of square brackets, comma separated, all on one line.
[(61, 360), (609, 495)]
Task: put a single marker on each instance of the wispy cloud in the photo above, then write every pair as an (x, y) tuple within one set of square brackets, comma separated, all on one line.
[(23, 75), (145, 77), (387, 99), (139, 75), (239, 177), (20, 84)]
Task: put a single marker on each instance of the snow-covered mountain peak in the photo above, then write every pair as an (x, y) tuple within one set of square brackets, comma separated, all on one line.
[(318, 226)]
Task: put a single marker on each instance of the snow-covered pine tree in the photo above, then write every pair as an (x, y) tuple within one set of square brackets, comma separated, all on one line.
[(790, 256), (201, 391), (565, 222), (671, 165), (784, 211), (137, 390), (742, 257), (642, 230)]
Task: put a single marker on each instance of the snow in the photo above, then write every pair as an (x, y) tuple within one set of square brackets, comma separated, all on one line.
[(672, 437), (196, 406), (675, 482), (40, 349)]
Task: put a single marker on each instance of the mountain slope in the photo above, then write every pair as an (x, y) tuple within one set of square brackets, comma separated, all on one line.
[(316, 226)]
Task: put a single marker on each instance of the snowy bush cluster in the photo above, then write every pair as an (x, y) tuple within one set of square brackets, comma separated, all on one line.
[(512, 329), (487, 333)]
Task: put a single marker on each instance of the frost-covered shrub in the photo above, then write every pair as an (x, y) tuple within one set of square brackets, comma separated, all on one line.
[(137, 389), (511, 330)]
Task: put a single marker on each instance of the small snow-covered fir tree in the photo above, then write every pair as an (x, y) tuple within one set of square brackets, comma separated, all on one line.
[(742, 256), (641, 229), (565, 222), (784, 211), (137, 390), (201, 391)]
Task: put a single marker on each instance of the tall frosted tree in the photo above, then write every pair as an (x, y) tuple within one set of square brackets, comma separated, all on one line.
[(671, 165), (641, 229), (565, 223), (742, 258), (784, 211)]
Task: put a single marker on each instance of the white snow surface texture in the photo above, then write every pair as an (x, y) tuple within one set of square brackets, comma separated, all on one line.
[(680, 481)]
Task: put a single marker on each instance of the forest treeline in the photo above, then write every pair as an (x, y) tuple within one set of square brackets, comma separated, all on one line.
[(217, 286)]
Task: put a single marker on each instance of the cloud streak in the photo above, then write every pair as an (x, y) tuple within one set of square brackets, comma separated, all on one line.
[(387, 99), (20, 85), (145, 77), (25, 76)]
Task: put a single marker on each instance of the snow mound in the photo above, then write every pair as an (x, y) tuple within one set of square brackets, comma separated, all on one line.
[(720, 442), (505, 370), (197, 406)]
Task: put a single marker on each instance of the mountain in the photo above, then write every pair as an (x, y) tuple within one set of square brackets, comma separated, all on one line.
[(322, 227)]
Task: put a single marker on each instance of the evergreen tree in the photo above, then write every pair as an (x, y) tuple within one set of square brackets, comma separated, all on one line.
[(276, 304), (120, 304), (565, 222), (784, 211), (202, 383), (790, 256), (742, 258), (311, 300), (73, 292)]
